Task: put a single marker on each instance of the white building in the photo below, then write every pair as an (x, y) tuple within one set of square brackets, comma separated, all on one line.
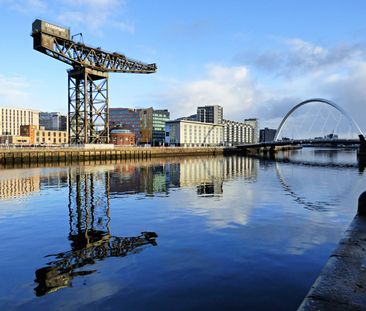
[(193, 134), (12, 118), (237, 133), (254, 123)]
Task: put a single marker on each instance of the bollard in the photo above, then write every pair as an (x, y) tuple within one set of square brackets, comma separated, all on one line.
[(362, 204)]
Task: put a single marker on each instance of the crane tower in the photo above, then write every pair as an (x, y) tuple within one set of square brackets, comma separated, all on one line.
[(88, 107)]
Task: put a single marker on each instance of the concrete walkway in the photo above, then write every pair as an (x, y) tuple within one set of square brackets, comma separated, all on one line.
[(342, 282)]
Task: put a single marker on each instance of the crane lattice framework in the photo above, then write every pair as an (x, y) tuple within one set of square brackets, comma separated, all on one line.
[(88, 103)]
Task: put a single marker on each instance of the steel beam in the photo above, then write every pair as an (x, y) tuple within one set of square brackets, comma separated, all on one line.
[(88, 106)]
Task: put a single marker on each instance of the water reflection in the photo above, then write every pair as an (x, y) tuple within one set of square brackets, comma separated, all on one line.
[(18, 184), (158, 177), (89, 213), (270, 223)]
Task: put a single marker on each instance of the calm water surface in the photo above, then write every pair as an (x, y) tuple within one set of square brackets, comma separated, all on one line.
[(208, 233)]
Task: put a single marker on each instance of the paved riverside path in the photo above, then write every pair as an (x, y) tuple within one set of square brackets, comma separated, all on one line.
[(342, 283)]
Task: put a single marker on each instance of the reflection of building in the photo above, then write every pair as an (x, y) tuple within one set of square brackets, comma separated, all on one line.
[(38, 135), (236, 133), (53, 121), (16, 186), (210, 114), (130, 178), (267, 134), (12, 118), (193, 134)]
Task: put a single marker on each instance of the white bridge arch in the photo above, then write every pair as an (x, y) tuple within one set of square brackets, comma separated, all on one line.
[(319, 100)]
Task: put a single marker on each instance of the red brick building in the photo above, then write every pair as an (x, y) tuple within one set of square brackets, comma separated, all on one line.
[(122, 137)]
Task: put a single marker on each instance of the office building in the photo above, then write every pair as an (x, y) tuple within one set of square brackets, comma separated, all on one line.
[(39, 135), (53, 121), (148, 125), (188, 133), (12, 118), (159, 118), (210, 114), (237, 133), (267, 134), (125, 118)]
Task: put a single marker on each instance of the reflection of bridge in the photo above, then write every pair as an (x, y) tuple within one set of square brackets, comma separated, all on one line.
[(329, 142)]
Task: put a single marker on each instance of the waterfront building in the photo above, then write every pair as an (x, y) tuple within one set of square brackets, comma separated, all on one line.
[(122, 137), (54, 121), (12, 118), (193, 134), (14, 140), (267, 134), (39, 135), (159, 118), (125, 118), (236, 133), (253, 122), (210, 114), (148, 125)]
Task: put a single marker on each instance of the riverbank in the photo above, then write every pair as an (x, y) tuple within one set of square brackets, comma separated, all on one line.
[(9, 157), (342, 283)]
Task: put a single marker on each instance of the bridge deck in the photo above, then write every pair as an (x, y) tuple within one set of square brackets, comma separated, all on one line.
[(345, 142)]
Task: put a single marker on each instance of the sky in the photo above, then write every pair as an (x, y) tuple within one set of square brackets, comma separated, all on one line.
[(254, 58)]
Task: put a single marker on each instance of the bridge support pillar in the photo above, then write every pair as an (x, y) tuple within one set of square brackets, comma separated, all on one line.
[(362, 148)]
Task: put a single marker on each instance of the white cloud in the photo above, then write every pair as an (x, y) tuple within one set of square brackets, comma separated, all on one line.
[(94, 14), (302, 71), (230, 87), (29, 7), (14, 90)]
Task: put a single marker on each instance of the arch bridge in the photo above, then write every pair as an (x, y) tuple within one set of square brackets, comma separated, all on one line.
[(334, 142)]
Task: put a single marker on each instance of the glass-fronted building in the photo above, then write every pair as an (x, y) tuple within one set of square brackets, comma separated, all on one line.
[(148, 124), (159, 118)]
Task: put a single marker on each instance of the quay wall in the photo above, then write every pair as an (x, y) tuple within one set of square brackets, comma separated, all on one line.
[(9, 157), (341, 286)]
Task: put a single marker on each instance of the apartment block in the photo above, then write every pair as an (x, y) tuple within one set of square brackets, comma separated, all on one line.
[(237, 133), (12, 118), (188, 133)]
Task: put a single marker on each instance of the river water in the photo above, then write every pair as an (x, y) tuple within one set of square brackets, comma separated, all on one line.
[(197, 233)]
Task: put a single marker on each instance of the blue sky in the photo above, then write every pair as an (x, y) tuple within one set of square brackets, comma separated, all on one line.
[(254, 58)]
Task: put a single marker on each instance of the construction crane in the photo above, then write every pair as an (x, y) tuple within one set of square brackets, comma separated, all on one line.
[(88, 101)]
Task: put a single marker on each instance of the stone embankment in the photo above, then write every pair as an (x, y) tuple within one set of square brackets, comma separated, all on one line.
[(9, 157), (342, 282)]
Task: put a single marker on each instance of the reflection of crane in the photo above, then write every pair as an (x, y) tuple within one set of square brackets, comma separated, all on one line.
[(59, 272), (89, 233), (88, 111)]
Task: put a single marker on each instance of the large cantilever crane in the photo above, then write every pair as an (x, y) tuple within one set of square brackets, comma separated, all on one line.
[(88, 110)]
